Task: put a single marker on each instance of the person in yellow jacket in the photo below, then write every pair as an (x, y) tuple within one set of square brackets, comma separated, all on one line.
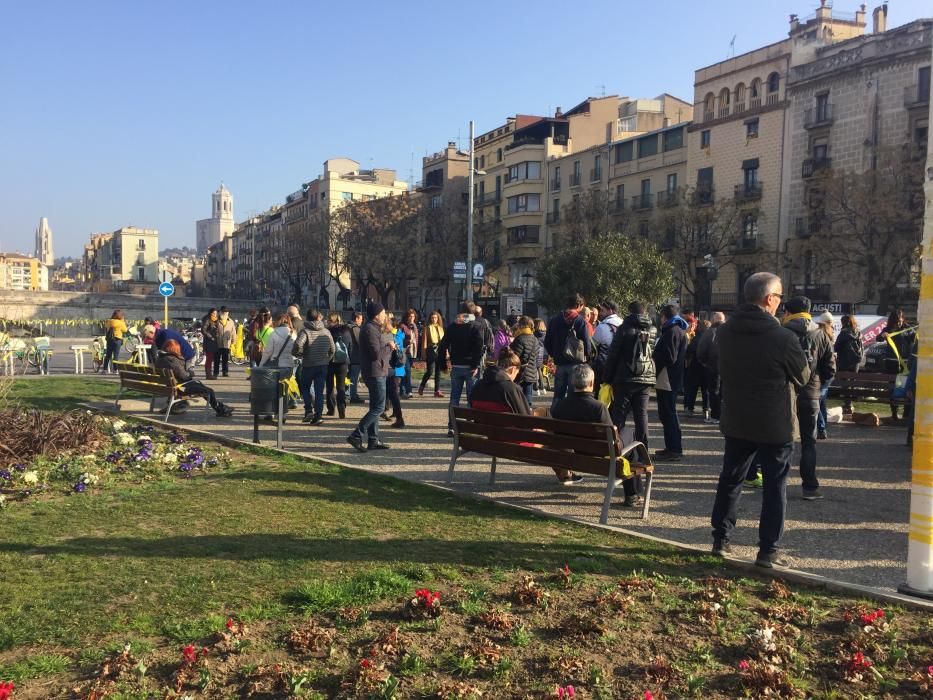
[(430, 340), (114, 330)]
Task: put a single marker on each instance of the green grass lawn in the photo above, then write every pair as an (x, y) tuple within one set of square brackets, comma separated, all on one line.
[(271, 541), (57, 393)]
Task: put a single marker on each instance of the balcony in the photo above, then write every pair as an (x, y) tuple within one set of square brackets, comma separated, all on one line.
[(724, 112), (739, 107), (807, 227), (553, 217), (481, 200), (640, 202), (816, 292), (575, 179), (555, 184), (746, 245), (668, 199), (596, 174), (916, 96), (703, 195), (821, 115), (748, 191), (708, 116), (772, 99), (811, 166), (519, 237)]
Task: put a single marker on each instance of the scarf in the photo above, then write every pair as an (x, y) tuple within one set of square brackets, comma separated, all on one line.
[(791, 317)]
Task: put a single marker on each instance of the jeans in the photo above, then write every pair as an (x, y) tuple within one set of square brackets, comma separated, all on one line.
[(821, 417), (807, 412), (368, 427), (199, 389), (695, 380), (313, 376), (354, 382), (393, 394), (337, 379), (736, 460), (561, 382), (405, 383), (714, 389), (434, 367), (529, 389), (634, 398), (112, 353), (209, 356), (667, 412), (460, 378), (221, 361)]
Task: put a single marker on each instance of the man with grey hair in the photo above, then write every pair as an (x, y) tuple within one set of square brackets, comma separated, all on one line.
[(708, 356), (760, 363), (295, 315)]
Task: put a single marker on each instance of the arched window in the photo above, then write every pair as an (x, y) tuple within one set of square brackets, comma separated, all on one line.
[(740, 98), (754, 94), (774, 82), (725, 99), (709, 107)]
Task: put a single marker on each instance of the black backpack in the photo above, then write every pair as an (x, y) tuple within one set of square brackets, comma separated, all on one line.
[(640, 360), (574, 350)]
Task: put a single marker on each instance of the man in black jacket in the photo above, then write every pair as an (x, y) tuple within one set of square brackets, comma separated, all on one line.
[(708, 356), (463, 343), (566, 354), (355, 357), (819, 351), (375, 350), (760, 363), (668, 358)]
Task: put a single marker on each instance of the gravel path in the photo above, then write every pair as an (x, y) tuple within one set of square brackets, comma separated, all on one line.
[(857, 534)]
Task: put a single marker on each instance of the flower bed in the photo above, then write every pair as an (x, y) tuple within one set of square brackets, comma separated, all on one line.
[(119, 452)]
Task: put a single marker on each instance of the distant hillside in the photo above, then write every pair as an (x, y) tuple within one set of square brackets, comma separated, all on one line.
[(183, 252)]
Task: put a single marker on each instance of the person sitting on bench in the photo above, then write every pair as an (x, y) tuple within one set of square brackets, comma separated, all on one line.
[(170, 357), (498, 392)]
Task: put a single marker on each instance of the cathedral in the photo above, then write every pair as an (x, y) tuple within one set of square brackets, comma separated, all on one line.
[(220, 225), (44, 243)]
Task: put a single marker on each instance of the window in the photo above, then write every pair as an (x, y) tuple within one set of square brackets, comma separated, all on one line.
[(482, 162), (141, 244), (346, 196), (140, 274), (709, 107), (750, 176), (624, 151), (555, 207), (524, 203), (822, 107), (648, 146), (555, 180), (774, 82), (820, 151), (499, 156), (482, 190), (705, 184), (923, 84), (498, 186), (597, 168), (476, 164), (645, 188), (673, 139), (751, 129), (704, 138), (524, 234), (755, 89), (672, 183), (750, 227), (620, 196), (528, 170), (576, 168)]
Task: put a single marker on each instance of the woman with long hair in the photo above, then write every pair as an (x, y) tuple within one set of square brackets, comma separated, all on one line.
[(849, 351), (525, 345), (394, 380), (902, 336), (209, 331), (431, 338), (170, 358), (114, 330), (501, 337), (825, 322), (409, 328)]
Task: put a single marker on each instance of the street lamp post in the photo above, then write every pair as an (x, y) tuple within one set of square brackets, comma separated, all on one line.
[(469, 261)]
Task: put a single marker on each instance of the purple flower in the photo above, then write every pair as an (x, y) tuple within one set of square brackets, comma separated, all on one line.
[(80, 487), (196, 456), (19, 467), (177, 439), (5, 474), (185, 467), (113, 457)]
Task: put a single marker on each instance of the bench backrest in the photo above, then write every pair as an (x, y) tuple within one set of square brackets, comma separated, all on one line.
[(582, 447), (869, 381), (148, 380)]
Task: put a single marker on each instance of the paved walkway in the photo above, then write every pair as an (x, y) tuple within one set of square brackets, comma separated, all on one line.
[(858, 534)]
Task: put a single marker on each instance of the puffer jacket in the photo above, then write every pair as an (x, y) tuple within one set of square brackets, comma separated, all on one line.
[(821, 362), (525, 345), (496, 392), (669, 352), (176, 364), (849, 351), (619, 361), (314, 345)]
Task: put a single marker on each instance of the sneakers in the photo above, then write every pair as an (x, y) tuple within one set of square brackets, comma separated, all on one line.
[(377, 446), (572, 480), (450, 433), (631, 501), (812, 495), (769, 561), (438, 394), (224, 411), (317, 420), (399, 423), (668, 455), (822, 435), (711, 421), (721, 548), (758, 483), (420, 391), (308, 418), (706, 416), (357, 443)]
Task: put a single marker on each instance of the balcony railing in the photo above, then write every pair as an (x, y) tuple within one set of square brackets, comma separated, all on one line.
[(703, 195), (747, 243), (818, 116), (724, 112), (754, 103), (641, 201), (555, 184), (739, 107), (748, 191), (708, 116), (668, 199), (916, 96), (553, 217), (574, 179), (522, 238), (806, 227), (485, 198), (811, 166), (772, 99), (596, 174), (816, 292)]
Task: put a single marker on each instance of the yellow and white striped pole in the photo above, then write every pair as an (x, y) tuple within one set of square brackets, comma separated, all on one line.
[(920, 533)]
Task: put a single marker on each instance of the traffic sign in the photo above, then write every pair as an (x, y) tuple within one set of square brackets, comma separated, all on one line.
[(460, 270), (478, 271), (166, 289)]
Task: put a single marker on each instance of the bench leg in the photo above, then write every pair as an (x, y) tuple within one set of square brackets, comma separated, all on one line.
[(492, 472), (647, 501), (607, 500), (168, 409), (116, 401), (453, 461)]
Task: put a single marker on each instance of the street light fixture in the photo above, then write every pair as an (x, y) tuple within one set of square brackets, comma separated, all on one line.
[(469, 261)]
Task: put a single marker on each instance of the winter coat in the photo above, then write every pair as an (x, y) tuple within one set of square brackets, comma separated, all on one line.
[(343, 333), (821, 362), (693, 368), (760, 364), (708, 349), (180, 372), (226, 332), (669, 353), (581, 407), (209, 330), (314, 345), (542, 353), (280, 345), (464, 343), (399, 338), (496, 392), (849, 350), (526, 346), (354, 347), (500, 340), (557, 330), (605, 332), (375, 351), (619, 361), (165, 334)]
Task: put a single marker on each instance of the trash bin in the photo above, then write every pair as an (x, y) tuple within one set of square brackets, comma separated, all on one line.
[(264, 391)]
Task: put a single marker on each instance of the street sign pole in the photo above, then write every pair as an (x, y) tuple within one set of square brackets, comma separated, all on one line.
[(166, 289)]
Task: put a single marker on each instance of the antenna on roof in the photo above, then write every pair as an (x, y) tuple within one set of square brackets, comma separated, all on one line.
[(732, 46), (602, 88)]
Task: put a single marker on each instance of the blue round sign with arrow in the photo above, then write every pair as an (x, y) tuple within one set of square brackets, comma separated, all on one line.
[(166, 289)]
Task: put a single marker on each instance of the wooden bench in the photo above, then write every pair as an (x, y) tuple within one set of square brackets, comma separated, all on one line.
[(588, 448), (864, 385), (152, 381)]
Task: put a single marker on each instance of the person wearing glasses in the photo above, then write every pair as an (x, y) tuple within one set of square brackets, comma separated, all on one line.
[(761, 363)]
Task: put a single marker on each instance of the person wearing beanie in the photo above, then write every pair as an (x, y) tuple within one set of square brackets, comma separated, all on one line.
[(464, 343), (822, 365), (375, 351)]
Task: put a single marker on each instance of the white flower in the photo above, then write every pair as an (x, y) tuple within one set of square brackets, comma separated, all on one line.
[(89, 478), (2, 500), (169, 458), (124, 439), (31, 478), (119, 424), (89, 458)]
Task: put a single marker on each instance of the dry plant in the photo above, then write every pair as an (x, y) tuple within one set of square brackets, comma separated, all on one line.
[(29, 433)]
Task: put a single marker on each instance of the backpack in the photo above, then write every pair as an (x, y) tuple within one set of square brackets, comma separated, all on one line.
[(808, 345), (574, 350), (109, 335), (640, 361), (341, 354)]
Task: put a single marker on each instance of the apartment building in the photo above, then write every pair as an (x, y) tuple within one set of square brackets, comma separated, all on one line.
[(849, 102), (125, 260), (22, 272), (736, 142)]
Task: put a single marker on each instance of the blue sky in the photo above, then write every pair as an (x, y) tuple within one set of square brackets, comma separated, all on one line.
[(119, 113)]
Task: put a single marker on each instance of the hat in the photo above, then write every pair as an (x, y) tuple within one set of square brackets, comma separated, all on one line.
[(373, 309), (825, 317), (223, 309), (797, 305)]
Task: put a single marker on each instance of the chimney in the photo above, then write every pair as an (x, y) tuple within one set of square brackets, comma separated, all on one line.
[(860, 15), (879, 19), (557, 113)]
